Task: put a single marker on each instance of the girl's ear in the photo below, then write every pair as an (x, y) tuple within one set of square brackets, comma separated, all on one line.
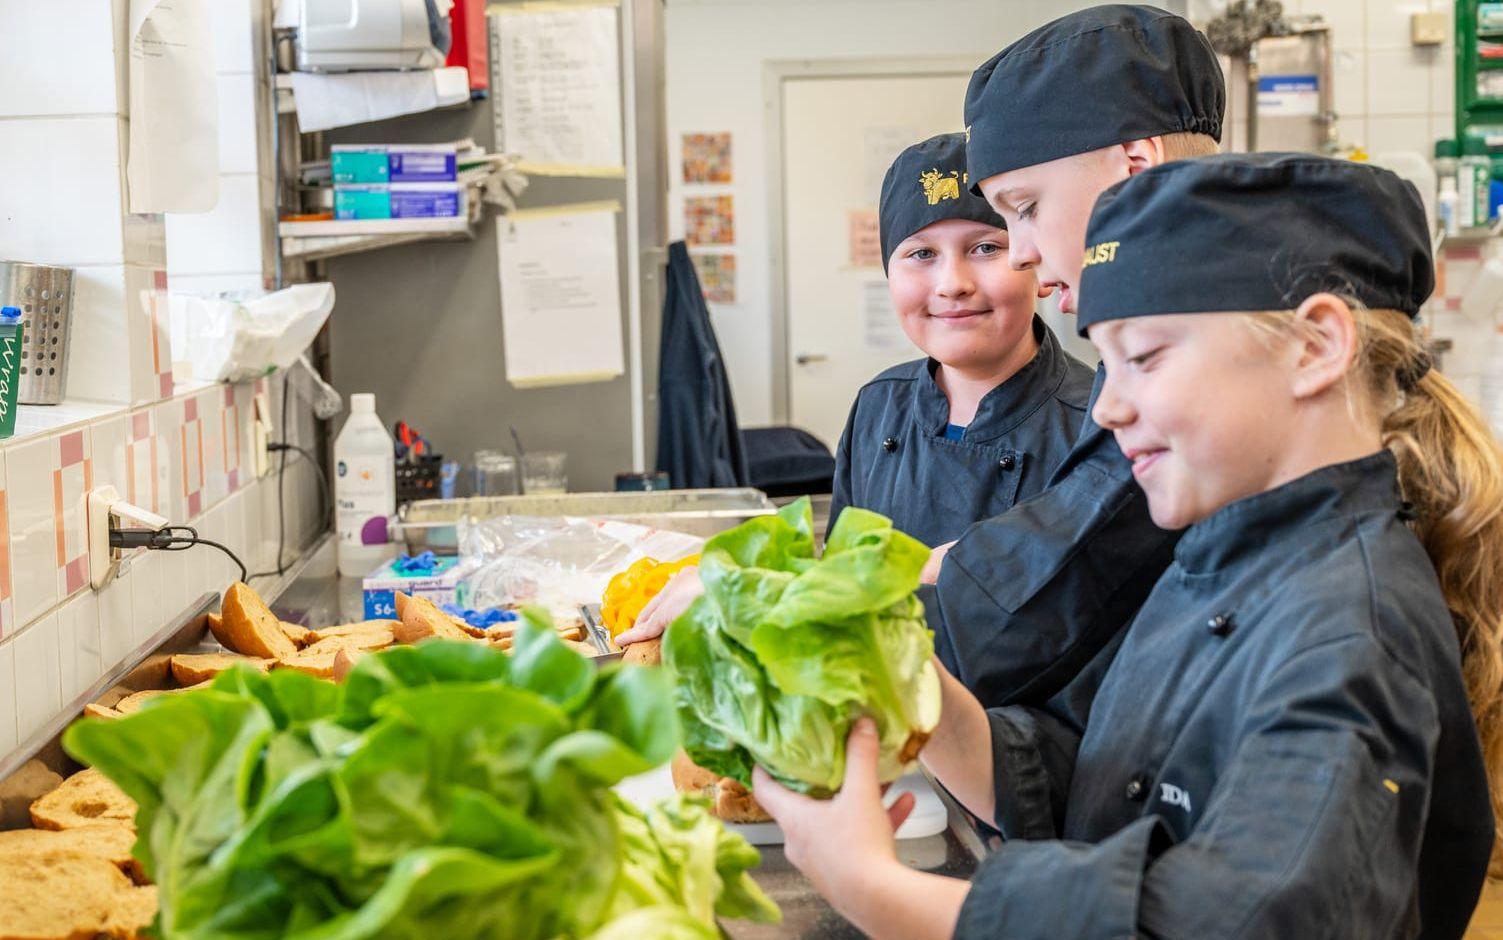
[(1325, 337), (1143, 154)]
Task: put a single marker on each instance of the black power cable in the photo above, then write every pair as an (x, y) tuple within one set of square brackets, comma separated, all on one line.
[(166, 540)]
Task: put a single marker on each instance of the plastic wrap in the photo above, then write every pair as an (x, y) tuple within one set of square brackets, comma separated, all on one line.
[(558, 562)]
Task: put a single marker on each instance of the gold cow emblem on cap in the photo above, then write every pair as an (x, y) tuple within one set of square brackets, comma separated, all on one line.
[(938, 187)]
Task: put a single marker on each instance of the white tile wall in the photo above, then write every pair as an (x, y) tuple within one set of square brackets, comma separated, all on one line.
[(149, 606), (8, 723), (117, 636), (79, 650), (226, 240), (33, 531), (33, 80), (62, 198), (1398, 82), (38, 675), (237, 123)]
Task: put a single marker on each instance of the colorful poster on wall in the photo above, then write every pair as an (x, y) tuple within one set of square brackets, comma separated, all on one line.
[(707, 158), (717, 276), (866, 238), (709, 220)]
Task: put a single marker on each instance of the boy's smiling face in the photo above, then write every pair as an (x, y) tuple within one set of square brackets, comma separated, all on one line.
[(1048, 206), (959, 301)]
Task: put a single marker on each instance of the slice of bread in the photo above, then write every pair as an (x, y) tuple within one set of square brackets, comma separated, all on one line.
[(87, 798), (344, 661), (320, 658), (132, 703), (193, 668), (250, 627), (378, 635), (646, 653), (420, 619), (93, 710), (300, 635), (64, 895), (362, 628), (729, 800), (107, 841)]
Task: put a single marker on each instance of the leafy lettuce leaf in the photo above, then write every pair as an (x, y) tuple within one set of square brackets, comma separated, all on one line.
[(783, 652), (444, 790)]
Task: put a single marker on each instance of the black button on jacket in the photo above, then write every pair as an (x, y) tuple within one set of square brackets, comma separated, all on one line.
[(894, 457), (1313, 772)]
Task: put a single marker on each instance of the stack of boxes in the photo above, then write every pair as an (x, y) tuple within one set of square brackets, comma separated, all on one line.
[(396, 181)]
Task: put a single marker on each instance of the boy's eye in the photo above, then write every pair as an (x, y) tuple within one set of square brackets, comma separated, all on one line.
[(1144, 358), (921, 254), (1027, 211), (987, 248)]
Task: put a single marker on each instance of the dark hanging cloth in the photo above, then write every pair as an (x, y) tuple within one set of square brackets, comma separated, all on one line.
[(699, 442)]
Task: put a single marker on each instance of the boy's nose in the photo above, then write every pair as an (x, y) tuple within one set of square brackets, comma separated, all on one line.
[(955, 279), (1111, 410)]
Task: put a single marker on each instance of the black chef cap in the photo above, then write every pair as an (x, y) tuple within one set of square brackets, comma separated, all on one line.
[(1254, 232), (927, 184), (1105, 75)]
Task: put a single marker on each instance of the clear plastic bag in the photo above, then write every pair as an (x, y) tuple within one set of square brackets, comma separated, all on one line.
[(227, 339), (558, 562)]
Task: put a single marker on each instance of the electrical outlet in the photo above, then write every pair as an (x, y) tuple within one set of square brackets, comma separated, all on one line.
[(1429, 28), (105, 510)]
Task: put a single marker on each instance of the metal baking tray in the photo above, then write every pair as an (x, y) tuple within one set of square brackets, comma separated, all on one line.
[(432, 524)]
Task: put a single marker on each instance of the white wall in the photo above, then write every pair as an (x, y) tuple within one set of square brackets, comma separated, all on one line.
[(1389, 94)]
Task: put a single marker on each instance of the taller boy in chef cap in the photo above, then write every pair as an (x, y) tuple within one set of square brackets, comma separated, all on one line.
[(1025, 600)]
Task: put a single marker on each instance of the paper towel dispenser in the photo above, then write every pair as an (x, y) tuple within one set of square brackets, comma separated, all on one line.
[(365, 35)]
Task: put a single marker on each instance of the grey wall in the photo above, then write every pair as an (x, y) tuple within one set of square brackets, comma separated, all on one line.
[(420, 326)]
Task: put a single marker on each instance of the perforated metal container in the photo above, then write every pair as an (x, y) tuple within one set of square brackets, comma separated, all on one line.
[(45, 295)]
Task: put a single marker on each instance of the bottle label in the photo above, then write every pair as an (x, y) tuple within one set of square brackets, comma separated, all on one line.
[(364, 497)]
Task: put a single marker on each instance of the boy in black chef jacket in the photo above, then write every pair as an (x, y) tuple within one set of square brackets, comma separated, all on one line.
[(1284, 744), (982, 421)]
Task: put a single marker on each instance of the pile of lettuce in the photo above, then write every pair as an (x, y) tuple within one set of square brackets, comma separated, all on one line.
[(783, 651), (444, 790)]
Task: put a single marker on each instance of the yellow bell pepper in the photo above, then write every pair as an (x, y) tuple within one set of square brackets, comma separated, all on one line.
[(629, 591)]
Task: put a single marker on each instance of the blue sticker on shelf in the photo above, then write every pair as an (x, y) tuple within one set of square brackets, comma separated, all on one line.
[(1288, 95)]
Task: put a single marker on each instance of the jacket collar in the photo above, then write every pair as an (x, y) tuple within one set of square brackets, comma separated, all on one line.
[(1250, 526), (1004, 407)]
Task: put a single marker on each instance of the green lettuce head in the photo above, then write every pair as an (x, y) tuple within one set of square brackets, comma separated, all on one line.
[(783, 652)]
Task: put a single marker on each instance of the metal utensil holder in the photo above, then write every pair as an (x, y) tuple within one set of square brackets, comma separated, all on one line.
[(44, 293)]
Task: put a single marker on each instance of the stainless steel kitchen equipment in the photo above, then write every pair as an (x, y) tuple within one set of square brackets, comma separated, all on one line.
[(432, 524), (44, 293)]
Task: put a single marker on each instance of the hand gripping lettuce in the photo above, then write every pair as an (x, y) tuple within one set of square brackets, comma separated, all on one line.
[(783, 652)]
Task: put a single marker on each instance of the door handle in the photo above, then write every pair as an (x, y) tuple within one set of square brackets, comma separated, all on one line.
[(804, 359)]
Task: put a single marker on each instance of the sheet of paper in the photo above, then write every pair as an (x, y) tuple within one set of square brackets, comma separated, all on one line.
[(344, 98), (173, 161), (879, 321), (556, 75), (882, 145), (560, 295)]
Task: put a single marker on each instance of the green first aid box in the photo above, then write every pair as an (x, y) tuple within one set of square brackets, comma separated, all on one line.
[(360, 166)]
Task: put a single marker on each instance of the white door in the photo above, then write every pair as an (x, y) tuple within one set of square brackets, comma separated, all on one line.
[(839, 136)]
